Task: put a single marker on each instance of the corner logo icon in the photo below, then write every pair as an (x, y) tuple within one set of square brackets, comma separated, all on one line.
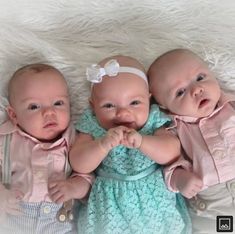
[(224, 223)]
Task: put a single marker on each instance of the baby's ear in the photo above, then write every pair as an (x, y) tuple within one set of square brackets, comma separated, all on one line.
[(12, 115)]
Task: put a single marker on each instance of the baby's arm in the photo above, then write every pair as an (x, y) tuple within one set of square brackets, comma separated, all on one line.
[(186, 182), (162, 147), (179, 177), (9, 198), (75, 187), (87, 153), (9, 201)]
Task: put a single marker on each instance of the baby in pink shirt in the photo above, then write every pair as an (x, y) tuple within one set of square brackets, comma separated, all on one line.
[(204, 120), (34, 143)]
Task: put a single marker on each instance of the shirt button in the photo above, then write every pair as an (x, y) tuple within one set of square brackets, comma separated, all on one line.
[(62, 218), (47, 209), (201, 205)]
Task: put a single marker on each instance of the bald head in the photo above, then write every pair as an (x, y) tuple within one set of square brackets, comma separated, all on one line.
[(171, 62), (25, 72)]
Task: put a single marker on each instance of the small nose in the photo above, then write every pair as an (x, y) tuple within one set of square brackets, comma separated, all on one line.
[(48, 111), (122, 113), (197, 90)]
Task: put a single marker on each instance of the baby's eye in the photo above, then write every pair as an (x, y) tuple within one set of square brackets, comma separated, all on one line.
[(180, 92), (59, 103), (135, 103), (108, 105), (33, 107), (201, 77)]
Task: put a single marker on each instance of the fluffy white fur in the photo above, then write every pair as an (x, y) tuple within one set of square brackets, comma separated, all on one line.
[(72, 34)]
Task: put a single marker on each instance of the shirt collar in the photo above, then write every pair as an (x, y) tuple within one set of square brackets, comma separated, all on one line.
[(8, 128), (224, 99)]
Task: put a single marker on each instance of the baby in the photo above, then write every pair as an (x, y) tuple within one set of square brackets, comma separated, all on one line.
[(204, 120), (34, 154), (123, 140)]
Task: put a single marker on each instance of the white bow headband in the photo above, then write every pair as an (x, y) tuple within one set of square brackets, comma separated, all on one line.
[(95, 72)]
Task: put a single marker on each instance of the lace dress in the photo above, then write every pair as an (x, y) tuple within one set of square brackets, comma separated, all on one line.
[(129, 194)]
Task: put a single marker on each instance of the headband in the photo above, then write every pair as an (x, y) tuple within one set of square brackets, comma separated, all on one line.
[(95, 72)]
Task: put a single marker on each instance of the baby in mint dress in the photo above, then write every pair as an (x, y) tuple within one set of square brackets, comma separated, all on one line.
[(122, 139)]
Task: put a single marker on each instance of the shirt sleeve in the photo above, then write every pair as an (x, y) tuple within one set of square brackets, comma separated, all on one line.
[(88, 177), (168, 171)]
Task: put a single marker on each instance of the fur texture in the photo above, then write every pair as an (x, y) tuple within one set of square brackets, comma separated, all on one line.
[(73, 34)]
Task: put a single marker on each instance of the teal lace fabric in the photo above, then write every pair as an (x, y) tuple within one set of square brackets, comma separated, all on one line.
[(138, 206)]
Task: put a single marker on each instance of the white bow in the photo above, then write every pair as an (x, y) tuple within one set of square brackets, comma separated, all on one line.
[(95, 72)]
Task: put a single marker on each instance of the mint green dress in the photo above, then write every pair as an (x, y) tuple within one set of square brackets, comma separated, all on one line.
[(129, 195)]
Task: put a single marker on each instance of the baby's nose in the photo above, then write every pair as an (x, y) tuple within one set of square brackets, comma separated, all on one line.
[(48, 110), (123, 113), (197, 90)]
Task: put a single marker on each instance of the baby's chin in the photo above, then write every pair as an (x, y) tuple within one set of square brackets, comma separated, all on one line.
[(206, 108), (51, 138)]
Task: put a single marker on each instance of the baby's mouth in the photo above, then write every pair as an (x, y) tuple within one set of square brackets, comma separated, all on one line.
[(126, 124), (203, 102), (50, 125)]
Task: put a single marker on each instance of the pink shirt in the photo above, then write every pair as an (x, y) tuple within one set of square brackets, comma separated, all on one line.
[(34, 163), (208, 143)]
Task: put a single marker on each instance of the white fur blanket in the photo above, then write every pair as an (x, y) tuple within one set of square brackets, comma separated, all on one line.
[(72, 34)]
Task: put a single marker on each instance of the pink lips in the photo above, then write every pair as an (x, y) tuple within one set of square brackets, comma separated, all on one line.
[(203, 103), (50, 125)]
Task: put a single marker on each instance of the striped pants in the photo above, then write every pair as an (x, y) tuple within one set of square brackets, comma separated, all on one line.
[(37, 218)]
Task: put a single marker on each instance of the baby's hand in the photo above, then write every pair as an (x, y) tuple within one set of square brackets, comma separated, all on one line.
[(113, 138), (61, 190), (9, 202), (132, 139), (188, 183)]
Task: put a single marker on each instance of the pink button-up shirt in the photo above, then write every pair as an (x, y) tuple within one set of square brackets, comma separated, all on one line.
[(34, 163), (208, 144)]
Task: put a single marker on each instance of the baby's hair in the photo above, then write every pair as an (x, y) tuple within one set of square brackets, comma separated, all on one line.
[(157, 63), (172, 52), (34, 68)]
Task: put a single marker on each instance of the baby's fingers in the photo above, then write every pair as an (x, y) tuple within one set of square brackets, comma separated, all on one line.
[(190, 194), (117, 132), (134, 139), (13, 207), (57, 196), (14, 210), (198, 184)]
